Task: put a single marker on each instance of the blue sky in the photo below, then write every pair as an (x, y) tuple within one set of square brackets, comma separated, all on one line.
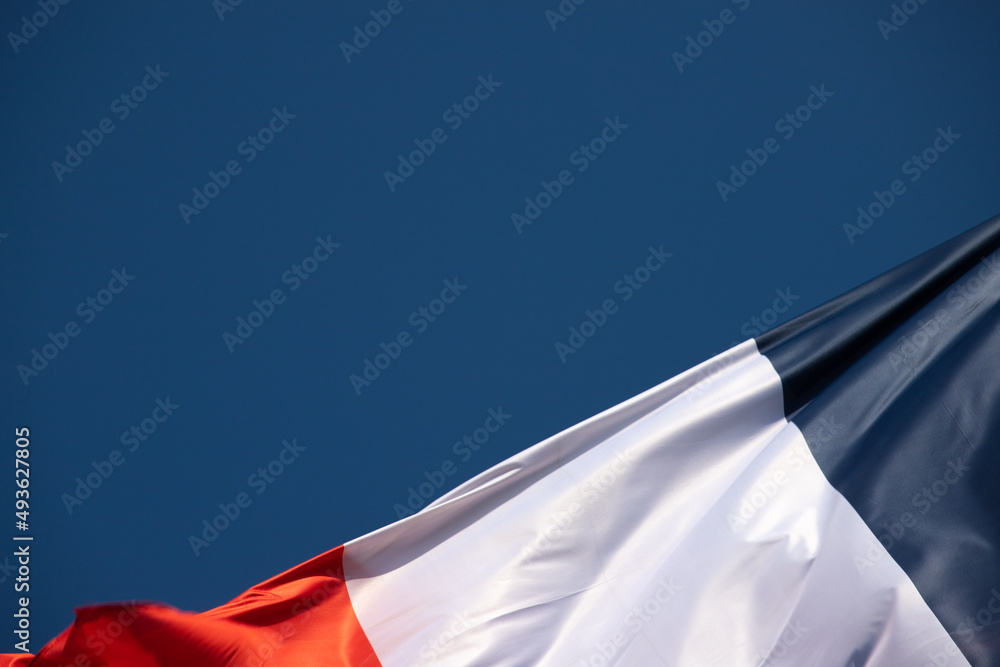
[(217, 214)]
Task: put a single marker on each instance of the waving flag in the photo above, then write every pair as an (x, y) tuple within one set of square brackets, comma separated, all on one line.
[(825, 494)]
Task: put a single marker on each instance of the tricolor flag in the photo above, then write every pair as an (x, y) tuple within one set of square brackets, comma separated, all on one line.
[(827, 494)]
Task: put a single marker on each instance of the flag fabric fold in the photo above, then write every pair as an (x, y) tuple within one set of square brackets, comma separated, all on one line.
[(825, 494)]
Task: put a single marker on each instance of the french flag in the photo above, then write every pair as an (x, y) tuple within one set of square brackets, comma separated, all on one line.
[(826, 494)]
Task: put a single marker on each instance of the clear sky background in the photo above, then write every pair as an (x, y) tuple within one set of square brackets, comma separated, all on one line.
[(214, 83)]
